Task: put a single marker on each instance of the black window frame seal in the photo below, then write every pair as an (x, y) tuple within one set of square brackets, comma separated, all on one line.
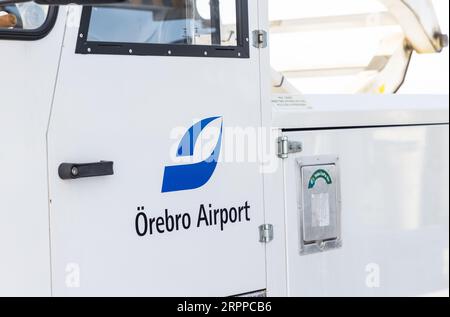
[(242, 50), (34, 34)]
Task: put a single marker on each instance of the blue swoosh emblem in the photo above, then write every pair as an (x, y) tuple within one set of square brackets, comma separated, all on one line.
[(193, 176)]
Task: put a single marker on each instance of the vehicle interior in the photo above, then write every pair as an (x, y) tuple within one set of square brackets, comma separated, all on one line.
[(22, 16)]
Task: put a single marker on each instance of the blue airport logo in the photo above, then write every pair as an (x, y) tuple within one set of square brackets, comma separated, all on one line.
[(192, 176)]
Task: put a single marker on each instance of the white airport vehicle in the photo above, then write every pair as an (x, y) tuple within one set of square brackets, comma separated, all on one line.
[(174, 148)]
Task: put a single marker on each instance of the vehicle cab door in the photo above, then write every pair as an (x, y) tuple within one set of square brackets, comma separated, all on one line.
[(146, 196), (30, 45)]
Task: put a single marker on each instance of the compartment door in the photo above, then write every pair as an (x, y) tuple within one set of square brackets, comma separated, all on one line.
[(393, 231)]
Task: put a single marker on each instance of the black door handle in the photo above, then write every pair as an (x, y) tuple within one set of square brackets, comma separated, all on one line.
[(75, 171)]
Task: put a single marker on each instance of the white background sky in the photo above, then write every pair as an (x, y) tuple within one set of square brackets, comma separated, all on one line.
[(429, 74)]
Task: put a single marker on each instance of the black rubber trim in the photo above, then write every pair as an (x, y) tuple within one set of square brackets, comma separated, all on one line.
[(248, 294), (367, 127), (32, 35), (242, 50)]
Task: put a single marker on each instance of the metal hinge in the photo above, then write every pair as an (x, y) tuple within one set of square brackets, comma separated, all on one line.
[(260, 39), (265, 233), (286, 147)]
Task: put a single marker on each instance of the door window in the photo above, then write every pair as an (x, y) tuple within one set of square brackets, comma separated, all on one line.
[(215, 28)]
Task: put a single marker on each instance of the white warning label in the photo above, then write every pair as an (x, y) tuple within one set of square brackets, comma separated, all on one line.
[(291, 101)]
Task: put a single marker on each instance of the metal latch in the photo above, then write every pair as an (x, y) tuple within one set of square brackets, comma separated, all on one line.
[(286, 147), (265, 233), (260, 39)]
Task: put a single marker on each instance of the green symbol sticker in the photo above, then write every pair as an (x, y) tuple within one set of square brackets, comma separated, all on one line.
[(319, 174)]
